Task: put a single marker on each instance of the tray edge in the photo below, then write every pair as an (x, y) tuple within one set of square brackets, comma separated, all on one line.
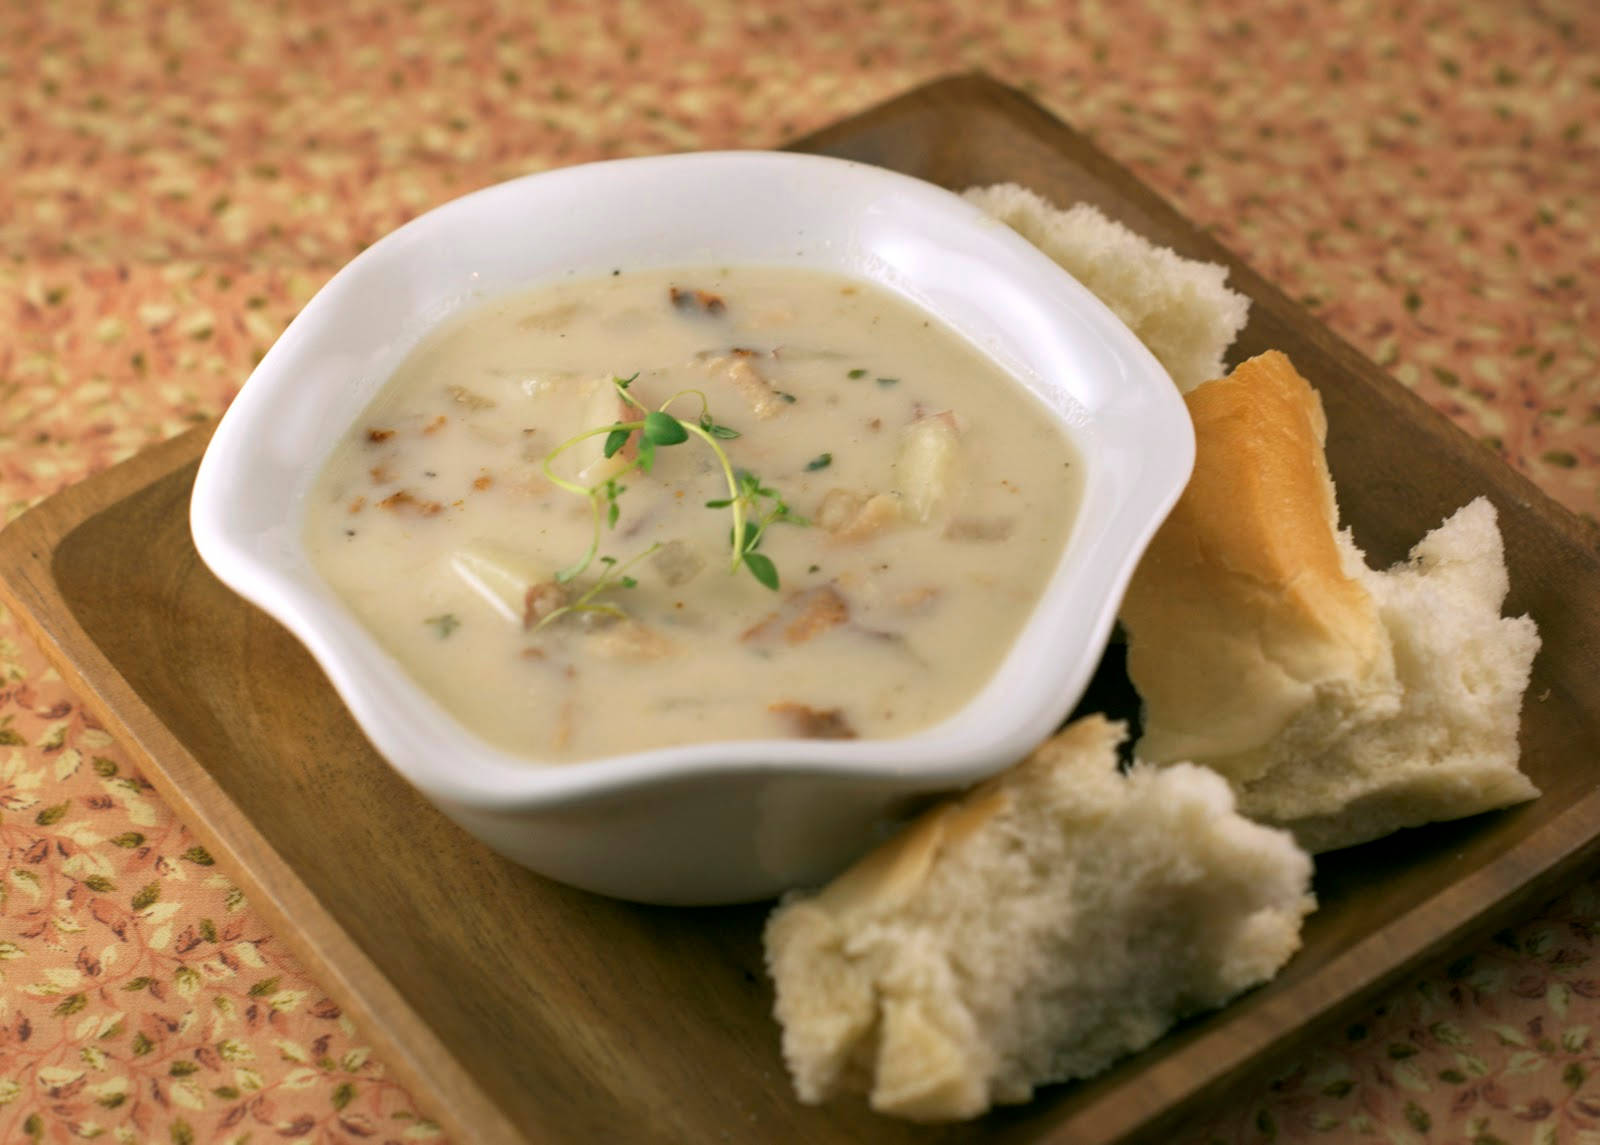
[(404, 1042)]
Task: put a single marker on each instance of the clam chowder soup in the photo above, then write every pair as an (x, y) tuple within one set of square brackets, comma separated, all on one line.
[(660, 508)]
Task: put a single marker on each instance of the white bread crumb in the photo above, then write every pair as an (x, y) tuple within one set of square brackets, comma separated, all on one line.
[(1178, 307), (1451, 749), (1035, 930)]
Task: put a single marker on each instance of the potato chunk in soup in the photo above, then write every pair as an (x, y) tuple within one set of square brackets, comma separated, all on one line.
[(515, 521)]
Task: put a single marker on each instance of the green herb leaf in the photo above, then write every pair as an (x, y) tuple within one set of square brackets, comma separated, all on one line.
[(709, 424), (663, 429), (788, 397), (762, 568), (856, 374), (624, 383), (820, 461), (754, 505), (887, 382), (614, 576), (445, 623)]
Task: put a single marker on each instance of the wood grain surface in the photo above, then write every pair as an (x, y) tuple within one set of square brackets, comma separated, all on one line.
[(522, 1011)]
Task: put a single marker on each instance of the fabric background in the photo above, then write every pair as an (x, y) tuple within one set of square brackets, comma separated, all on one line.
[(179, 178)]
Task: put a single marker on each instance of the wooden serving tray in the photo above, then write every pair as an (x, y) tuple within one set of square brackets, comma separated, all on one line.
[(520, 1011)]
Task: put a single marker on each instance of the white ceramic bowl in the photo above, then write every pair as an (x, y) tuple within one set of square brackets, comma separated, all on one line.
[(716, 822)]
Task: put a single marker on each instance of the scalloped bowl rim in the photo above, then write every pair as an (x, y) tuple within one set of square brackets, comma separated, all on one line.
[(1137, 418)]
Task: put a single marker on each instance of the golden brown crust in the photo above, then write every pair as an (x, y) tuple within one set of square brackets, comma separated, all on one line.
[(1241, 607)]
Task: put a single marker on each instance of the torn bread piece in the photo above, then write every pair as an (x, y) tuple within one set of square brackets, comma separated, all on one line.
[(1341, 702), (1451, 750), (1037, 929), (1244, 625), (1178, 307)]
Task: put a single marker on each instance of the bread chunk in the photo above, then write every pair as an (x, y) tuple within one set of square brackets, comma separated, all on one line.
[(1179, 308), (1451, 749), (1245, 627), (1340, 702), (1035, 930)]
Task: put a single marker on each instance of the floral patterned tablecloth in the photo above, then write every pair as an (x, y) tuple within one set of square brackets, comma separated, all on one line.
[(179, 178)]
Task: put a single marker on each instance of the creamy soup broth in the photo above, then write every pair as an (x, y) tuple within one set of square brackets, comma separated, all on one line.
[(936, 496)]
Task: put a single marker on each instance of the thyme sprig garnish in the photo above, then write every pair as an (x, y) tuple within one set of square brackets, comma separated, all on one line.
[(755, 506), (615, 575), (752, 505)]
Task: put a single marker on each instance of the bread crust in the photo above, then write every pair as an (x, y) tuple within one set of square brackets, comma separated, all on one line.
[(1246, 579), (1340, 702)]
